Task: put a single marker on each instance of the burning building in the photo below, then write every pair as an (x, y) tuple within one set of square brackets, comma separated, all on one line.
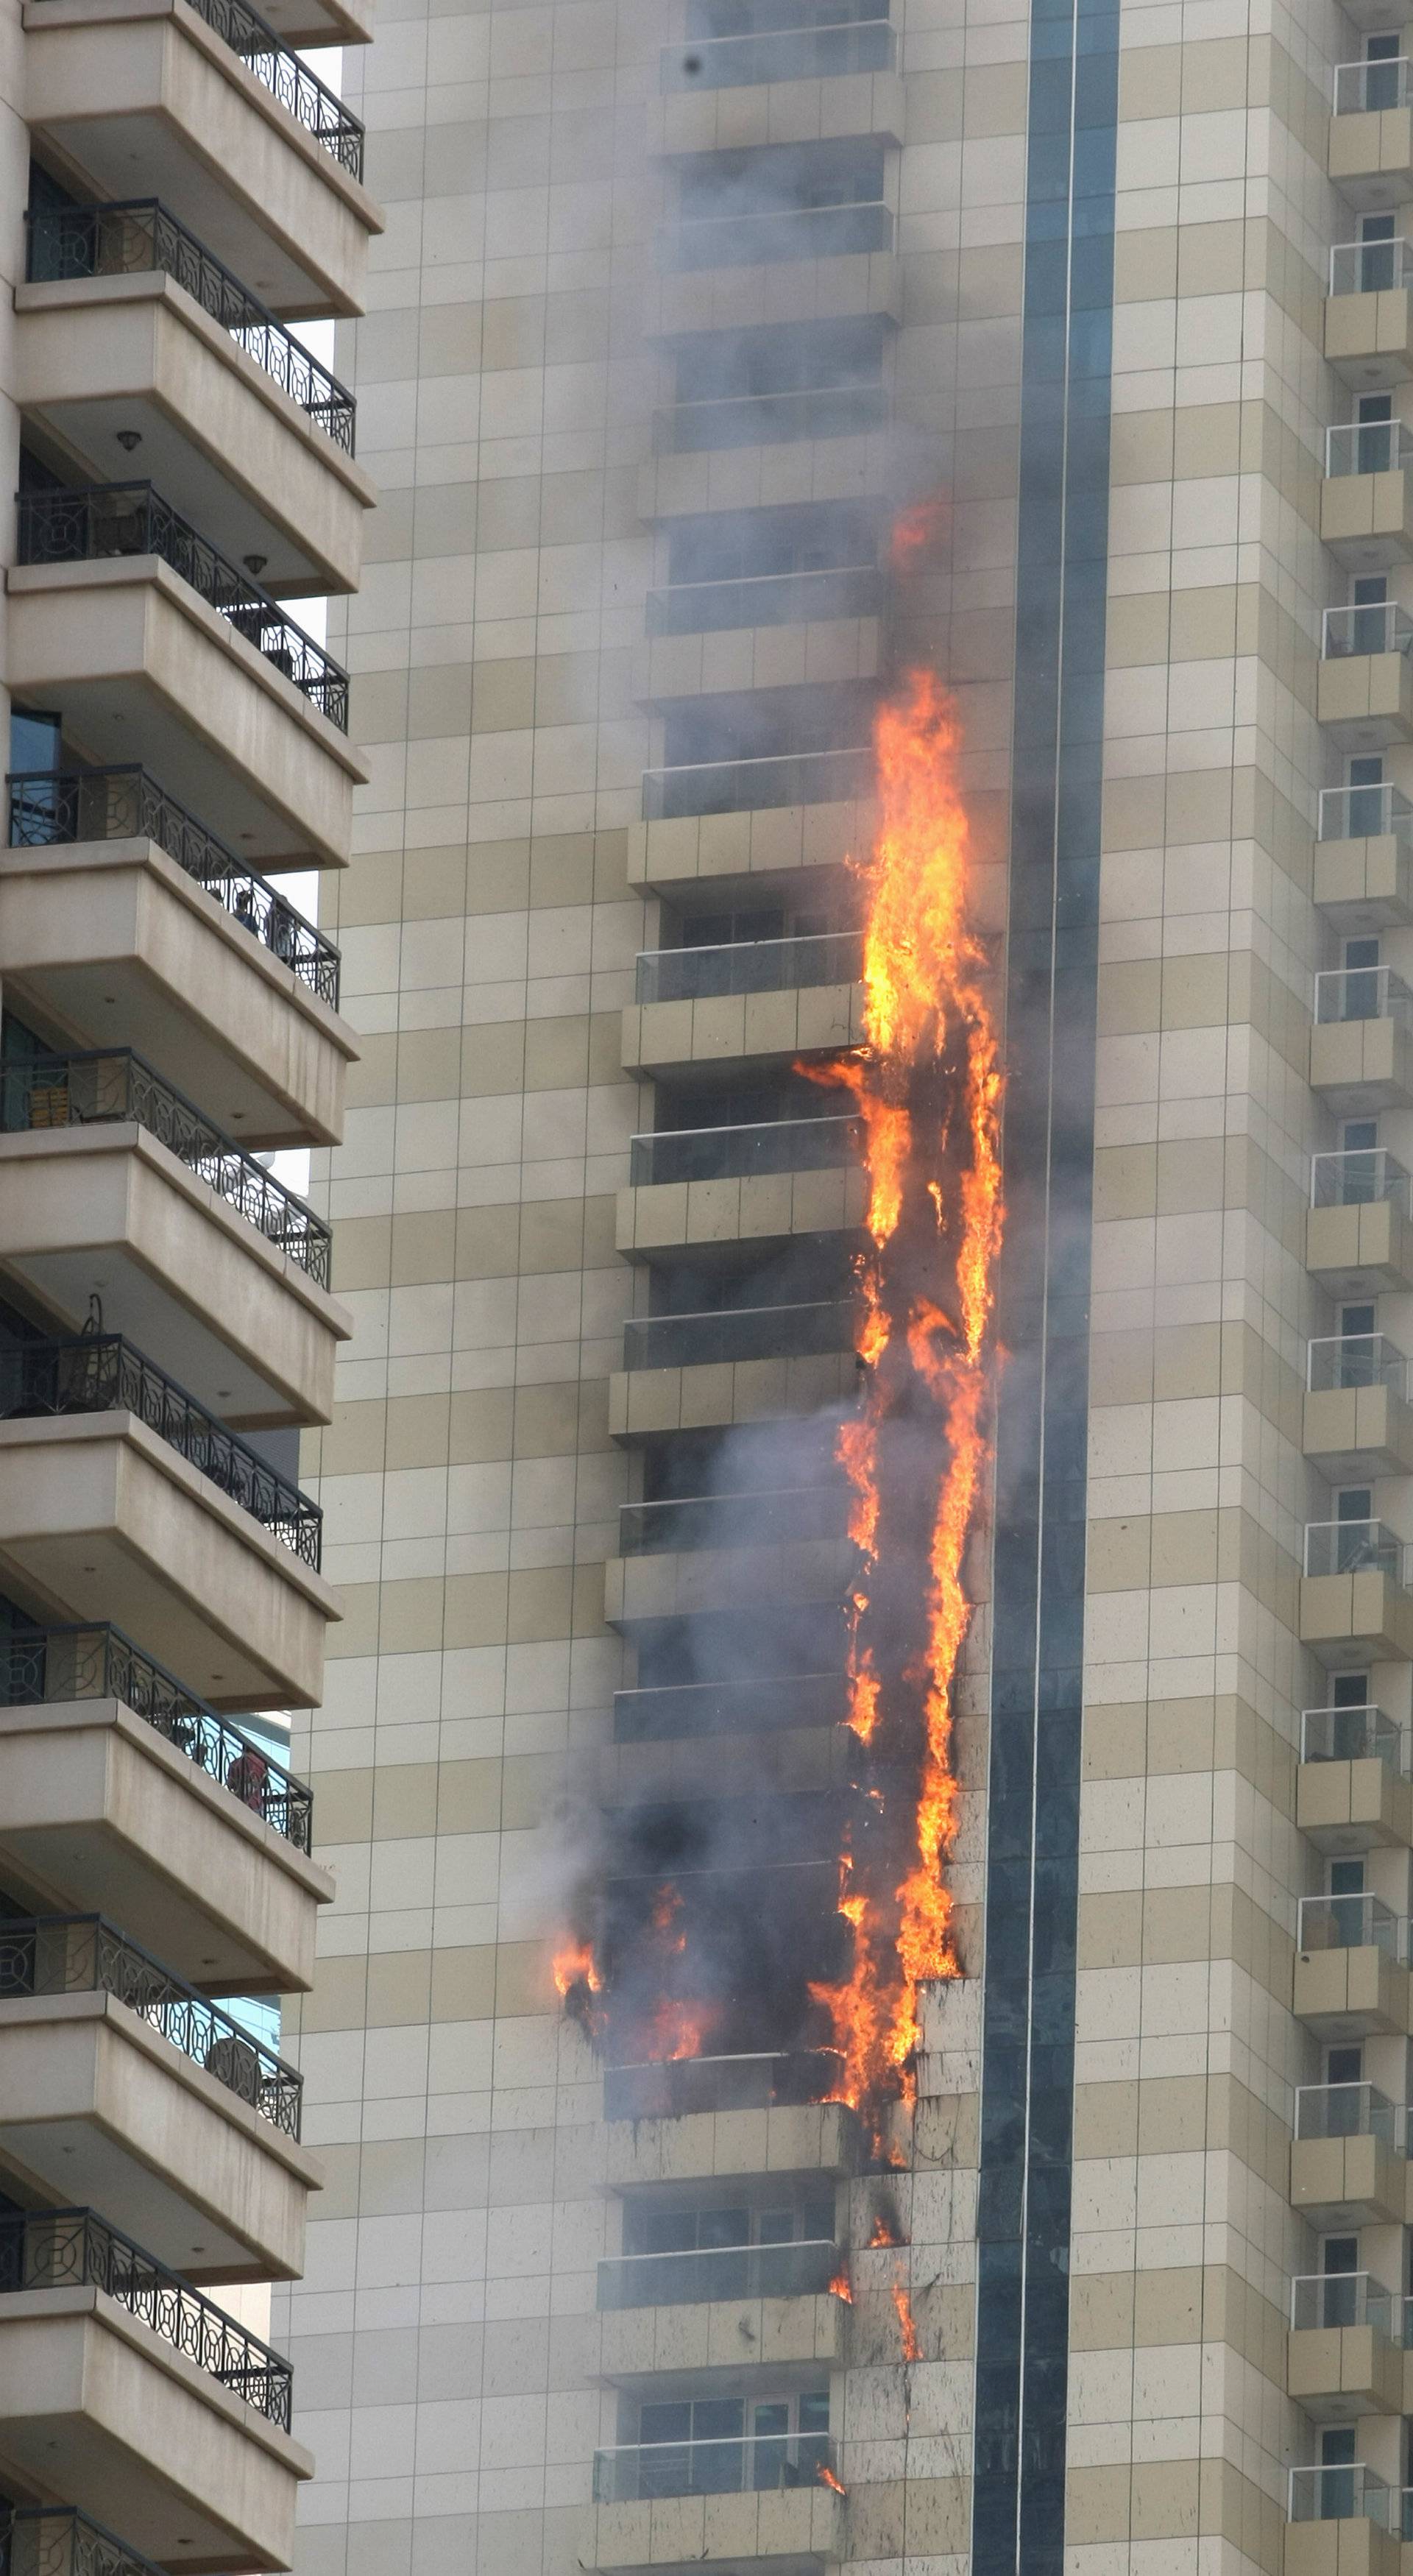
[(867, 2019)]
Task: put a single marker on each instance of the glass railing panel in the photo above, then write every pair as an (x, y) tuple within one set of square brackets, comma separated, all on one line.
[(718, 1708), (1365, 1176), (780, 54), (736, 1153), (1348, 2111), (1353, 1735), (1344, 2494), (670, 2088), (1380, 626), (1362, 993), (750, 2463), (748, 966), (802, 2268), (733, 1520), (1342, 1360), (765, 599), (1367, 447), (1361, 1922), (780, 233), (1323, 2301), (1368, 267), (1366, 814), (1366, 89), (1355, 1547), (766, 419), (737, 1333), (758, 783)]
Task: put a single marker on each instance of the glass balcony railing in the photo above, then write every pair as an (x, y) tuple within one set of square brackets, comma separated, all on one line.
[(1363, 89), (738, 1153), (749, 2464), (765, 599), (781, 232), (670, 2088), (1366, 814), (748, 966), (800, 2269), (1321, 2301), (1355, 1547), (738, 1333), (72, 2249), (758, 783), (53, 808), (1367, 447), (54, 2540), (1348, 2493), (780, 54), (1362, 1176), (1380, 626), (1349, 2111), (1368, 267), (1361, 1922), (102, 522), (138, 236), (733, 1520), (765, 419), (49, 1667), (728, 1708), (66, 1954), (1341, 1360), (1362, 993), (1353, 1735), (119, 1088)]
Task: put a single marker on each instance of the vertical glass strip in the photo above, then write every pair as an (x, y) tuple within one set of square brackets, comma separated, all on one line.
[(1033, 1822)]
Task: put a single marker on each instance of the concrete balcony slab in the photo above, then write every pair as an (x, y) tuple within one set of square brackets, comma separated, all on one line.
[(1369, 338), (1352, 1994), (1352, 1250), (1349, 1617), (1350, 1428), (790, 2533), (1364, 884), (1371, 157), (1353, 1806), (765, 1207), (1349, 2182), (644, 1403), (811, 110), (747, 848), (1365, 700), (1338, 2373), (1366, 520), (676, 1583), (742, 1028)]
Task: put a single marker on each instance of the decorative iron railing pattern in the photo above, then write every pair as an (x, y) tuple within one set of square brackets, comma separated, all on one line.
[(99, 521), (102, 1373), (40, 1667), (104, 1086), (49, 808), (133, 237), (71, 1954), (309, 100), (54, 2540), (69, 2249)]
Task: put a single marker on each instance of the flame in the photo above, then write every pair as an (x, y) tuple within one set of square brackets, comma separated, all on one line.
[(579, 1981), (927, 1087), (677, 2029), (883, 2233), (912, 2349), (839, 2288), (917, 531), (827, 2478)]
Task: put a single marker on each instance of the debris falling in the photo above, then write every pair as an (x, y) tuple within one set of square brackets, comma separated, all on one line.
[(927, 1086)]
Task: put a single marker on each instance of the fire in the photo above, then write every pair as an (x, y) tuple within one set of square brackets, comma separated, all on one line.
[(917, 531), (912, 2349), (883, 2233), (827, 2478), (839, 2288), (578, 1982), (927, 1087), (678, 2029)]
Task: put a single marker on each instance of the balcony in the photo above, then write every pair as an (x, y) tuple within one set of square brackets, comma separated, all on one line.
[(134, 2395), (1368, 319), (847, 229), (150, 643), (1354, 1595), (1348, 2157), (735, 2116), (731, 421), (1366, 503), (1358, 1418), (749, 1001), (117, 1488), (738, 1364), (53, 2540), (131, 333), (1371, 135), (684, 2087), (1361, 1046), (1342, 2361), (720, 1520), (708, 1709), (1342, 2522), (716, 1551), (732, 1336), (1364, 858), (819, 51), (114, 1186), (120, 2081), (700, 2311), (1351, 1969), (744, 2504), (723, 1185), (245, 142), (1357, 1234), (763, 781), (1352, 1788), (1364, 690), (120, 1788)]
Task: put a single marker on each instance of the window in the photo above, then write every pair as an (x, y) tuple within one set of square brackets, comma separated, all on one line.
[(1381, 75)]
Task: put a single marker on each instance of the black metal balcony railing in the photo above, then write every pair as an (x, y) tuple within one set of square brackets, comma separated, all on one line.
[(106, 1087), (736, 1153), (737, 1333), (102, 1373), (133, 237), (759, 782), (71, 2249), (47, 1667), (310, 102), (718, 1708), (801, 2269), (71, 1954), (781, 54), (670, 2088), (54, 2540), (51, 808), (733, 1520), (720, 2464), (104, 520), (748, 966)]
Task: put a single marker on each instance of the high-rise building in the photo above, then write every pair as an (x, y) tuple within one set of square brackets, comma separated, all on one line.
[(181, 201), (726, 363)]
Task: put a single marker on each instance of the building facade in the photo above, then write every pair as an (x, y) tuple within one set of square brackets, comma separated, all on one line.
[(724, 363), (181, 193)]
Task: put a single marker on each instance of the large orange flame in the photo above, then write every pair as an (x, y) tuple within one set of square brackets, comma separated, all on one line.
[(927, 1084), (912, 2349)]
